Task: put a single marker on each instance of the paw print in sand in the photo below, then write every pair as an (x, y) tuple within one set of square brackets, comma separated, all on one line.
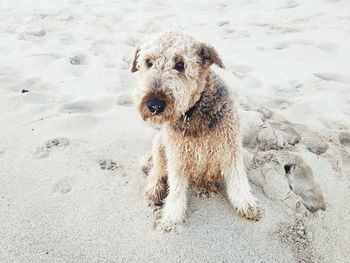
[(108, 165), (44, 151)]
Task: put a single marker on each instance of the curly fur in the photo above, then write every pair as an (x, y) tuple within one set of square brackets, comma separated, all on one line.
[(210, 151)]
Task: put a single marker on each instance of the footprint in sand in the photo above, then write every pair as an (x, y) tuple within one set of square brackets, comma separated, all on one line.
[(223, 23), (108, 165), (276, 29), (290, 4), (229, 30), (78, 60), (332, 76), (63, 186), (344, 139), (78, 107), (31, 34), (221, 5), (345, 155), (281, 45), (301, 181), (279, 103), (44, 151), (126, 62), (85, 106), (292, 90), (66, 18), (95, 107), (265, 113)]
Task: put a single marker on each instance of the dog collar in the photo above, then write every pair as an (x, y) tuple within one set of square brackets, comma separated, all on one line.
[(187, 117)]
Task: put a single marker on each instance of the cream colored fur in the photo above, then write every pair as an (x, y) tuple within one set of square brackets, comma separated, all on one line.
[(201, 150)]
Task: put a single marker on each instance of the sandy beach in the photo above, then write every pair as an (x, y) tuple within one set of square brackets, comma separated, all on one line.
[(71, 140)]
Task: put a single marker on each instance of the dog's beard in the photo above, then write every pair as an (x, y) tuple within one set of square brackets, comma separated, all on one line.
[(157, 118)]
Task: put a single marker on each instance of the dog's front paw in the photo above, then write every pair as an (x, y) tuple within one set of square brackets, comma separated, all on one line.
[(164, 225), (253, 212)]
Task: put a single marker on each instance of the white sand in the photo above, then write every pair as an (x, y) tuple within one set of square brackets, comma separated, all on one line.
[(70, 181)]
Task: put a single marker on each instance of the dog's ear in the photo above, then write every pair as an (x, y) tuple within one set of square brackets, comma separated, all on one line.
[(208, 55), (134, 64)]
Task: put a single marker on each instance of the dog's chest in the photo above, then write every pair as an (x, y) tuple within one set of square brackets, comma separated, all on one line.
[(202, 159), (203, 166)]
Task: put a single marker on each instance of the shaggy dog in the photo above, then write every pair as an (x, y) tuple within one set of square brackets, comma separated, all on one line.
[(199, 138)]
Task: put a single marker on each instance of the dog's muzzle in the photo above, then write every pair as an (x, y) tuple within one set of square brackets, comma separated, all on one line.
[(156, 106)]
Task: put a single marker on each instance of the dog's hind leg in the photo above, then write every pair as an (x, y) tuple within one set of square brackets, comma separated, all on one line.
[(156, 188)]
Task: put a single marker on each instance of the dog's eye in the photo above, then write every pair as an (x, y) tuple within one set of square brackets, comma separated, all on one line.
[(149, 63), (179, 66)]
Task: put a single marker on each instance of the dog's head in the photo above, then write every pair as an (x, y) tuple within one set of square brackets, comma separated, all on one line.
[(173, 68)]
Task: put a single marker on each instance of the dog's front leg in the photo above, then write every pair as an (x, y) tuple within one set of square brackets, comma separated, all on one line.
[(157, 180), (238, 190), (176, 202)]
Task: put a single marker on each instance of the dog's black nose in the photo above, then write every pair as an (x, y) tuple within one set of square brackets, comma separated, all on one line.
[(156, 106)]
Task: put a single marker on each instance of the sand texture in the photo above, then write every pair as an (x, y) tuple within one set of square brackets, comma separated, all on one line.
[(71, 140)]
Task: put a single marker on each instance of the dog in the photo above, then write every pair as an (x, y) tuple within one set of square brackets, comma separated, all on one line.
[(199, 141)]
